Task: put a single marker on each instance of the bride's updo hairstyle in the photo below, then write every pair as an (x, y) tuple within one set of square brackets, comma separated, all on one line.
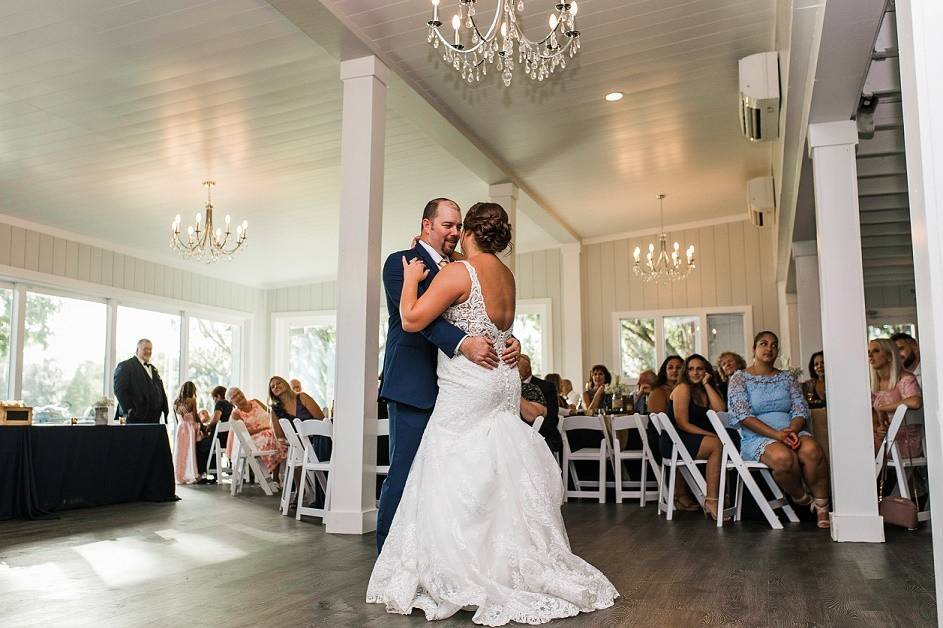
[(489, 222)]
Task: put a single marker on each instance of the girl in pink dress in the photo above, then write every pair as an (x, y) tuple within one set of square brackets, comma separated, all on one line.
[(187, 435), (266, 435)]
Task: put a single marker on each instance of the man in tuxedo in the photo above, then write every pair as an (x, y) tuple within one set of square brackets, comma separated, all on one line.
[(549, 427), (410, 385), (139, 389)]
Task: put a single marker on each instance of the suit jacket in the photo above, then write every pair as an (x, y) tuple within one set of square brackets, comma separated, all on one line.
[(409, 364), (141, 399), (549, 429)]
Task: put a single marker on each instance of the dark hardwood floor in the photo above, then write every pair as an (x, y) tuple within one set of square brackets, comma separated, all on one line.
[(213, 560)]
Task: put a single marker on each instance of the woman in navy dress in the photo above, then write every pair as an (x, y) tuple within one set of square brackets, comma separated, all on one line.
[(687, 408)]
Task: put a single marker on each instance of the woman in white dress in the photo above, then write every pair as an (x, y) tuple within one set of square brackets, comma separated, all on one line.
[(479, 525)]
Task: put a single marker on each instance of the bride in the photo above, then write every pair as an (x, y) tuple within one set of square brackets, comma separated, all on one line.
[(479, 525)]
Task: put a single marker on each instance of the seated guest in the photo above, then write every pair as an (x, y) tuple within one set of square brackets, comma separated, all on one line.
[(645, 385), (557, 382), (189, 455), (768, 407), (571, 396), (728, 363), (259, 423), (814, 387), (221, 411), (286, 404), (548, 428), (596, 397), (295, 385), (669, 374), (533, 403), (687, 408), (909, 353), (891, 385)]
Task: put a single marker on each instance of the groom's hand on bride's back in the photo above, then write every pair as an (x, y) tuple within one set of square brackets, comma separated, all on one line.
[(479, 350), (512, 352)]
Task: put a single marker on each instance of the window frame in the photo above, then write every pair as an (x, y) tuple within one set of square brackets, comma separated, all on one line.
[(659, 315), (543, 307)]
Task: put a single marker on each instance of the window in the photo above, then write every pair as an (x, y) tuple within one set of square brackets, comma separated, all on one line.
[(311, 351), (724, 333), (886, 330), (637, 345), (644, 339), (682, 335), (163, 330), (211, 349), (6, 311), (532, 327), (63, 357)]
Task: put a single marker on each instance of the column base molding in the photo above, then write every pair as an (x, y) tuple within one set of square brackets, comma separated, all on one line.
[(857, 528), (351, 522)]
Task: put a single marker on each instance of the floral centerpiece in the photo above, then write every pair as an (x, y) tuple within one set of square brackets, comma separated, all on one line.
[(618, 390), (101, 410)]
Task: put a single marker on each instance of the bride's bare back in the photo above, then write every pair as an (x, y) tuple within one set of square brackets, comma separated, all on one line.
[(497, 289)]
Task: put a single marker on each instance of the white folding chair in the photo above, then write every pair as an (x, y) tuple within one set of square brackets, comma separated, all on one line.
[(248, 457), (296, 454), (383, 429), (731, 460), (903, 467), (679, 460), (214, 459), (629, 488), (588, 454), (310, 463)]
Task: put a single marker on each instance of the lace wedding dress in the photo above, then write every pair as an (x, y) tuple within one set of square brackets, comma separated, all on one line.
[(479, 524)]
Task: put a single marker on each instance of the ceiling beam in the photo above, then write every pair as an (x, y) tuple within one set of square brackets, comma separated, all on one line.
[(341, 38), (886, 216), (883, 165)]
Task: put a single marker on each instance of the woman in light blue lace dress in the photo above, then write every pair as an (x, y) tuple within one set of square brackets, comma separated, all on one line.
[(768, 408)]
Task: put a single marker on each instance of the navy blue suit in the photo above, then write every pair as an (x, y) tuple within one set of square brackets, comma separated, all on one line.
[(410, 384)]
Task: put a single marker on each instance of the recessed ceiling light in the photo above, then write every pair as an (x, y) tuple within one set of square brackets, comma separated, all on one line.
[(614, 96)]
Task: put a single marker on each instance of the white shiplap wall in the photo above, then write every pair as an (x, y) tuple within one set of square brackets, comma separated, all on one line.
[(303, 298), (56, 257), (538, 276), (735, 267)]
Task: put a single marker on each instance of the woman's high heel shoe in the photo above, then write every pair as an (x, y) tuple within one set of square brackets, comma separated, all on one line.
[(708, 514), (820, 506)]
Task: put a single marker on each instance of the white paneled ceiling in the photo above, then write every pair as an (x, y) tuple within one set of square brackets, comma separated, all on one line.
[(597, 164), (113, 111)]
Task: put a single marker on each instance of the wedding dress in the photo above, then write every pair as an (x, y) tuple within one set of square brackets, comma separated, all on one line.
[(479, 523)]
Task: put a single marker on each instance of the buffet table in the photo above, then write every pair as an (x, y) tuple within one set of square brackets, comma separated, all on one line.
[(45, 469)]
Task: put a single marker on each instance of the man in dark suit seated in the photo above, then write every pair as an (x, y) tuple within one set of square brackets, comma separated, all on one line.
[(139, 389), (549, 428)]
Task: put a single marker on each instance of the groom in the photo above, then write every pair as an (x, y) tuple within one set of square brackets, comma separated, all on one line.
[(410, 384)]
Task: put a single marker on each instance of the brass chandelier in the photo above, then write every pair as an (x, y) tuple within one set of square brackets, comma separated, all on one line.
[(205, 242), (471, 50), (664, 267)]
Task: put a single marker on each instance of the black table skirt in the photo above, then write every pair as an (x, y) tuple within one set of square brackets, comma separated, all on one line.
[(44, 469)]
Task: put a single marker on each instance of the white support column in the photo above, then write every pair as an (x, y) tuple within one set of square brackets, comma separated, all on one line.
[(572, 308), (505, 195), (17, 341), (854, 498), (788, 327), (919, 25), (111, 354), (353, 499), (806, 258)]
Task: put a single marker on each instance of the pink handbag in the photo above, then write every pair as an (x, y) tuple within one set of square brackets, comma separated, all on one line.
[(910, 441)]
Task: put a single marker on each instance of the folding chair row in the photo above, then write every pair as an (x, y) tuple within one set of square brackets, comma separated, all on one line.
[(246, 457), (214, 459)]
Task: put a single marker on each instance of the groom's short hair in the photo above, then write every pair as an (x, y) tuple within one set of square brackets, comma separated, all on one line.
[(432, 207)]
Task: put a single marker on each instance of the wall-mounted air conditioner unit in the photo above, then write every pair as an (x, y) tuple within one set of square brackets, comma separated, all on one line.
[(759, 96), (761, 203)]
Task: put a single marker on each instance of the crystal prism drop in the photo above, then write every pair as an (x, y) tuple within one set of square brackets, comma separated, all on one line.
[(506, 77)]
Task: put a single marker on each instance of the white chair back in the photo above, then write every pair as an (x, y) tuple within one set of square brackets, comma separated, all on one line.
[(589, 454), (903, 467), (320, 469), (537, 424), (249, 455), (214, 459)]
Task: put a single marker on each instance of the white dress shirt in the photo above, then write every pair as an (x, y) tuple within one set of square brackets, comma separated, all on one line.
[(437, 258), (147, 367)]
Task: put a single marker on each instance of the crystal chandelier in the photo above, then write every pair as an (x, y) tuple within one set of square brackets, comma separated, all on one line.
[(664, 267), (204, 242), (496, 45)]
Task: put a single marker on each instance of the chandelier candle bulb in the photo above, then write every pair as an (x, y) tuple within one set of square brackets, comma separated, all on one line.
[(435, 11), (456, 23), (553, 22)]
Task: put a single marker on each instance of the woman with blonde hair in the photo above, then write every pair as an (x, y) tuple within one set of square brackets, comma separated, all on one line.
[(891, 385), (728, 363)]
